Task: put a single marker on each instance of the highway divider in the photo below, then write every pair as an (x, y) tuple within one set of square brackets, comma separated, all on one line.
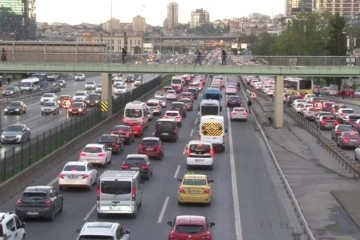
[(26, 177)]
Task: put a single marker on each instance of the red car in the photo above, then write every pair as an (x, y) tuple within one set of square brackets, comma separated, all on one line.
[(124, 132), (152, 147), (113, 141), (136, 128), (186, 95), (190, 227)]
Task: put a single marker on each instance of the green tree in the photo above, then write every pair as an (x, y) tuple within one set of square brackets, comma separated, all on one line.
[(137, 49), (262, 45), (336, 45)]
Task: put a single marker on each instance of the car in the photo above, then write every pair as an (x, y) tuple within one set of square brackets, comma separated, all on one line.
[(326, 122), (96, 153), (179, 106), (167, 88), (171, 114), (230, 90), (351, 119), (103, 230), (98, 88), (161, 96), (342, 114), (11, 227), (335, 132), (62, 97), (120, 89), (152, 147), (118, 82), (233, 101), (130, 78), (50, 108), (113, 141), (309, 113), (124, 132), (194, 188), (194, 92), (186, 95), (10, 91), (90, 85), (188, 104), (93, 100), (239, 113), (348, 139), (48, 97), (80, 96), (15, 107), (155, 106), (79, 77), (138, 82), (39, 201), (77, 174), (16, 133), (136, 128), (61, 83), (150, 114), (199, 153), (138, 162), (166, 129), (171, 95), (77, 109)]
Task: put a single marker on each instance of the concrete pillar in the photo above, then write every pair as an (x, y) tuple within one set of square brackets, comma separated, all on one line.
[(106, 93), (278, 103)]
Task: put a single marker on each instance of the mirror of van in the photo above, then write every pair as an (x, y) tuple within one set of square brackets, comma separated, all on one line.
[(226, 130)]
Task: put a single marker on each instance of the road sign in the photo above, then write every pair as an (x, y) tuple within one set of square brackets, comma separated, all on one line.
[(318, 105), (65, 103), (104, 106), (253, 95)]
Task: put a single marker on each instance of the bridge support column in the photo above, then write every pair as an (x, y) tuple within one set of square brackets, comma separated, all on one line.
[(106, 93), (278, 103)]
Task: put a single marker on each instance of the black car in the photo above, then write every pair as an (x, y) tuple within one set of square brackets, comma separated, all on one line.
[(15, 107), (130, 78), (39, 201), (10, 91), (138, 162), (166, 129), (179, 106), (194, 92), (124, 132), (233, 101), (112, 141), (93, 100)]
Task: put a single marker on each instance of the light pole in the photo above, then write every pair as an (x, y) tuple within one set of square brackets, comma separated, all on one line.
[(111, 31)]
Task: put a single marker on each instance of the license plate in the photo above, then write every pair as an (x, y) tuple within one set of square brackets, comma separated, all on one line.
[(32, 213), (150, 149), (135, 168), (193, 192), (199, 160), (72, 176), (165, 134)]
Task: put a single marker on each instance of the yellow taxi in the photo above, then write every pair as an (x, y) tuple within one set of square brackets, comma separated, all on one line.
[(194, 188)]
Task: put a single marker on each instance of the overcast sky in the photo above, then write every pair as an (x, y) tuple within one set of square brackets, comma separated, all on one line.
[(98, 11)]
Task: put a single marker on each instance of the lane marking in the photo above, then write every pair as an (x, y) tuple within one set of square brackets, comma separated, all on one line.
[(52, 182), (163, 209), (196, 119), (184, 151), (177, 171), (191, 133), (238, 229), (89, 213)]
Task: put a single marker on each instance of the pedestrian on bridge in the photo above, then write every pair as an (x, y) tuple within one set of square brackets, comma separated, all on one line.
[(223, 57), (123, 55), (198, 57), (3, 55)]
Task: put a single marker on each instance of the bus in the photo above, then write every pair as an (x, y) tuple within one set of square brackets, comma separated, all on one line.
[(209, 107), (296, 85), (212, 93)]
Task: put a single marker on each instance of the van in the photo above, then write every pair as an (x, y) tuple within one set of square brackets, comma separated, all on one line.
[(199, 153), (118, 192), (212, 129), (30, 84), (177, 83), (136, 112), (166, 129)]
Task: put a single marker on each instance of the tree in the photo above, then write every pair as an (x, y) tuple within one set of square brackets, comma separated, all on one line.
[(262, 44), (336, 45), (137, 50)]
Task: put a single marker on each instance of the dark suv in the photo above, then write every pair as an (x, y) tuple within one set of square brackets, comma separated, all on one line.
[(194, 92), (166, 129), (113, 141), (138, 162), (93, 100), (179, 106)]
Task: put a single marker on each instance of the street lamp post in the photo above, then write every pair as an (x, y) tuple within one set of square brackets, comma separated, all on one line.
[(111, 31)]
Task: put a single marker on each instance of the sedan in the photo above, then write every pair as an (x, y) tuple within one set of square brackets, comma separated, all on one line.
[(171, 95), (97, 154), (138, 162), (231, 90), (348, 139), (113, 141), (50, 108), (77, 174), (152, 147), (239, 113), (188, 103), (124, 132), (15, 107), (15, 133), (233, 101), (120, 89), (48, 97), (61, 83), (339, 129), (10, 91)]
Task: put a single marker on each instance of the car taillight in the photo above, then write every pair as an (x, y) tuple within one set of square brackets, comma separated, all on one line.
[(212, 153), (233, 113), (133, 192), (101, 155), (144, 167), (244, 113), (322, 122), (345, 139), (98, 193), (172, 236), (85, 175), (206, 190), (61, 175), (182, 190), (19, 201), (116, 145), (187, 152), (206, 236), (125, 167), (48, 201), (335, 122), (123, 120), (82, 154)]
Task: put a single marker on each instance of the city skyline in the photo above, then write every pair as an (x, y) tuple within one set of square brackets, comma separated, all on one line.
[(154, 13)]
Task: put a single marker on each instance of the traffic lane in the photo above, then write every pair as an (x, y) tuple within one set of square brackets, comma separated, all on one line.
[(350, 152)]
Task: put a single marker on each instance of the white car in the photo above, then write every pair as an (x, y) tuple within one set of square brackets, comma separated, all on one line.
[(230, 90), (77, 174), (118, 82), (199, 153), (120, 89), (239, 113), (98, 88), (48, 97), (80, 77), (171, 95), (80, 96), (97, 154), (90, 85), (11, 227), (154, 106), (138, 82)]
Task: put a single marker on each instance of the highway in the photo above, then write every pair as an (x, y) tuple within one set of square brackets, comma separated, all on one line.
[(246, 202)]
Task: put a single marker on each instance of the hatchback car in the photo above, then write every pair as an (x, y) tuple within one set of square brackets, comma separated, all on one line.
[(77, 109), (97, 154), (199, 153), (348, 139), (15, 107), (239, 113), (15, 133), (179, 106), (166, 129), (155, 106), (136, 128), (194, 188), (61, 83), (120, 89), (124, 132), (138, 162), (339, 129), (327, 122), (189, 106), (90, 85), (104, 231), (39, 201), (93, 100), (98, 88), (152, 147), (113, 141), (171, 95), (233, 101), (171, 114), (77, 174)]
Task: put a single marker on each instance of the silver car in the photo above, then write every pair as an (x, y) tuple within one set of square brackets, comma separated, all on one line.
[(15, 133), (50, 108)]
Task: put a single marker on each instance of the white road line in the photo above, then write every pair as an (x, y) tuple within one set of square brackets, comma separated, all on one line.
[(184, 151), (196, 119), (177, 171), (191, 133), (163, 209), (89, 213), (238, 229), (53, 182)]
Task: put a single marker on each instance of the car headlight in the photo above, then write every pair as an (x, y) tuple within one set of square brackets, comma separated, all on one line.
[(17, 109), (96, 101), (18, 136), (87, 101), (6, 110)]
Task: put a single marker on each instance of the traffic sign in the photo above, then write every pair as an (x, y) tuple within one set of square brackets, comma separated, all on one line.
[(66, 103), (104, 106), (253, 95), (318, 105)]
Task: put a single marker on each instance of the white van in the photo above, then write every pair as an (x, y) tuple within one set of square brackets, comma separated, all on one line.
[(212, 129), (177, 83), (135, 111), (118, 192), (30, 84)]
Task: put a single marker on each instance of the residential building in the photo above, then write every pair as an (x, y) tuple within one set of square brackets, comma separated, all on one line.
[(18, 17), (294, 7), (346, 8), (111, 25), (198, 17), (172, 18), (138, 24)]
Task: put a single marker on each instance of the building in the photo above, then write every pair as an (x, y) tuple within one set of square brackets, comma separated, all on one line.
[(172, 18), (111, 25), (346, 8), (18, 17), (139, 24), (198, 17), (294, 7)]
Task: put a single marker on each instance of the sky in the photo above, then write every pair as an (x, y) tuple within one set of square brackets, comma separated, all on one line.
[(98, 11)]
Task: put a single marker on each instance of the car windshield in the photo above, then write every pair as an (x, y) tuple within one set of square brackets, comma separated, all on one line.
[(186, 100), (77, 104), (189, 229), (194, 181), (10, 88), (199, 148), (48, 95), (133, 113), (352, 134), (14, 104), (120, 87), (192, 90), (109, 138), (164, 125), (34, 195), (13, 129), (176, 81), (80, 94), (170, 92), (134, 161), (92, 150), (116, 187), (121, 128), (49, 104), (74, 168), (152, 104)]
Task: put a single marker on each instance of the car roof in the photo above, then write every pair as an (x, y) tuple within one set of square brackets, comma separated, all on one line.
[(172, 111), (98, 228), (77, 163), (136, 156), (191, 175), (238, 108), (151, 138), (166, 120), (189, 219), (38, 188), (94, 145)]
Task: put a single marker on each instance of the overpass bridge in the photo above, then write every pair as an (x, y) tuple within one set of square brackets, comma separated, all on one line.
[(305, 66)]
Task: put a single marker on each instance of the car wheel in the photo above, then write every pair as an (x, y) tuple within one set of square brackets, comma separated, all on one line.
[(356, 157), (52, 215), (188, 167)]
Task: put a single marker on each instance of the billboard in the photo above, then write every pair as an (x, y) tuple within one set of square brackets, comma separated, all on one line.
[(244, 46), (234, 45)]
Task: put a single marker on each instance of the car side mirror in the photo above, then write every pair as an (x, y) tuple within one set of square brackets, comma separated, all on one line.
[(22, 225), (179, 180), (170, 223), (212, 224)]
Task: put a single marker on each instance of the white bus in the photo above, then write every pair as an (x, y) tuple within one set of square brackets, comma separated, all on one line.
[(30, 84)]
